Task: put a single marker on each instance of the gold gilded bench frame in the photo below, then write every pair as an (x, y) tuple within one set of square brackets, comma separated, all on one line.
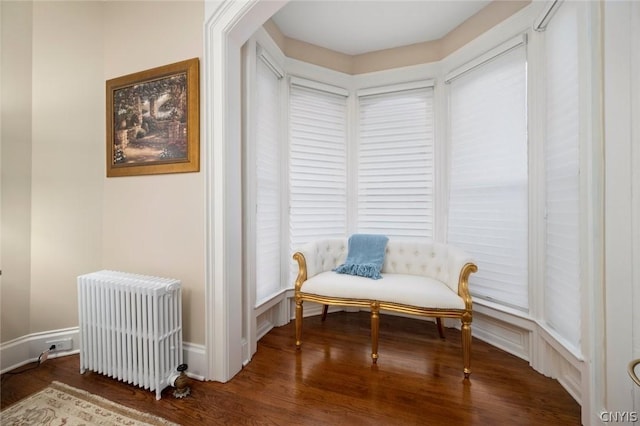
[(465, 315)]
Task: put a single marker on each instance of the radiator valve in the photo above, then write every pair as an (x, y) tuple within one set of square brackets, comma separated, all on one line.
[(180, 382)]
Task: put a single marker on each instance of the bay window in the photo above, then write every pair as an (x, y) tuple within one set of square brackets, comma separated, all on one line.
[(317, 162), (396, 161), (268, 161), (488, 178), (364, 160), (562, 176)]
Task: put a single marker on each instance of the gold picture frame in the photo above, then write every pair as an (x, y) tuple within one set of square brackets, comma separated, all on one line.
[(153, 121)]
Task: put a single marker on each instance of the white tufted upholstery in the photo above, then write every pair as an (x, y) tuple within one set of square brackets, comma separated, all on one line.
[(405, 289), (434, 260), (324, 255)]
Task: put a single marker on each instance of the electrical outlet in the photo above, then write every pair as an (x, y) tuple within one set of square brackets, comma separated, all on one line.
[(61, 345)]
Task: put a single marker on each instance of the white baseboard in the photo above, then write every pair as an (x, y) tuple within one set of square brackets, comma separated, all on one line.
[(195, 356), (26, 349), (264, 325), (556, 361), (515, 339), (23, 350)]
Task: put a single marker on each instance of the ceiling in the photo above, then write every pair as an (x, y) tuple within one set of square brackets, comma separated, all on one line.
[(356, 27)]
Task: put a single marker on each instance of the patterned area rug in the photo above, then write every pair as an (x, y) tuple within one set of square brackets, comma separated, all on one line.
[(60, 404)]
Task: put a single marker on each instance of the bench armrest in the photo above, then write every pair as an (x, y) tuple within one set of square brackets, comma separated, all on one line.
[(463, 284), (319, 256), (461, 266), (302, 269)]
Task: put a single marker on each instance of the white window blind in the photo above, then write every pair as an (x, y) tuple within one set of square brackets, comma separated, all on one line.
[(562, 174), (268, 181), (395, 163), (488, 175), (317, 165)]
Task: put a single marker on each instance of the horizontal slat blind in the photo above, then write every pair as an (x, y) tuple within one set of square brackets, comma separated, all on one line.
[(488, 177), (395, 163), (268, 182), (317, 165), (562, 173)]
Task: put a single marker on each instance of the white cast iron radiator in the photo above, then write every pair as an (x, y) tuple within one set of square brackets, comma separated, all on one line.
[(130, 327)]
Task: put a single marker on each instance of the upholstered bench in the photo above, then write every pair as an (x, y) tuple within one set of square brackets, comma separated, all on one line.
[(419, 278)]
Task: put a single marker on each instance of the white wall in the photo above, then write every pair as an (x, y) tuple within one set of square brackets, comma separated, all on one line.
[(65, 217), (635, 179), (622, 139), (155, 224), (68, 135), (15, 150)]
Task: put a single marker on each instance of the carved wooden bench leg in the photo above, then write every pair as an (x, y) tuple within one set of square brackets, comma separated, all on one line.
[(466, 344), (440, 327), (325, 308), (375, 326), (298, 323)]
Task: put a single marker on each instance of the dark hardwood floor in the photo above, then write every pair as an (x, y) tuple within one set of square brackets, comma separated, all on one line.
[(418, 381)]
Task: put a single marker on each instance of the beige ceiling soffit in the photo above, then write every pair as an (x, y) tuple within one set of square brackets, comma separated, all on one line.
[(487, 18), (274, 32), (414, 54), (404, 56), (317, 55)]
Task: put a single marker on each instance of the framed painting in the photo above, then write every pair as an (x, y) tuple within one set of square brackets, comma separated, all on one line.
[(153, 121)]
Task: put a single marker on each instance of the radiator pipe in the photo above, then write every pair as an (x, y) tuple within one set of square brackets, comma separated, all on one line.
[(180, 381)]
